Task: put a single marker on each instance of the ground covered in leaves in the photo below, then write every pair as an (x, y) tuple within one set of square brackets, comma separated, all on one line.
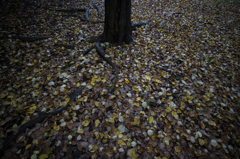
[(176, 93)]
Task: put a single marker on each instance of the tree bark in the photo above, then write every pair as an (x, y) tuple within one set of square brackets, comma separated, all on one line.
[(117, 27)]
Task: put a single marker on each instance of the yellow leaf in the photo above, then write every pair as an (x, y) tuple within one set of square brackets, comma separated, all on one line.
[(177, 148), (43, 156), (139, 65), (168, 109), (121, 143), (35, 141), (104, 80), (174, 113), (81, 131), (67, 100), (120, 135), (92, 83), (96, 103), (179, 111), (29, 78), (182, 105), (150, 119), (56, 127), (116, 131), (136, 104), (201, 141), (111, 120), (206, 97), (212, 123), (55, 93), (85, 122), (36, 85), (36, 70), (10, 96), (97, 122), (136, 121), (105, 141), (94, 148), (6, 103), (32, 109), (29, 145), (3, 94), (133, 154), (127, 81), (112, 96)]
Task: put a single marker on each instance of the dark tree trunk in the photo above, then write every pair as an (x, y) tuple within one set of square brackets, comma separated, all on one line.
[(117, 27)]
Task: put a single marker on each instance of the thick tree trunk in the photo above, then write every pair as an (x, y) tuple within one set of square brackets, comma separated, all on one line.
[(117, 27)]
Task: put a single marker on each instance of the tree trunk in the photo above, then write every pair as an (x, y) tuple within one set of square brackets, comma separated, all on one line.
[(117, 27)]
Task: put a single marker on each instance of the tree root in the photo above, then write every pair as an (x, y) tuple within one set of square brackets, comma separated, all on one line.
[(102, 54), (24, 38), (98, 10), (94, 39), (87, 17), (88, 50), (42, 116), (169, 16), (135, 25)]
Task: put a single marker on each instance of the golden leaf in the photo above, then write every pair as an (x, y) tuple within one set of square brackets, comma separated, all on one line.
[(212, 123), (10, 96), (206, 97), (174, 113), (136, 104), (6, 103), (139, 65), (29, 78), (85, 123), (81, 131), (32, 109), (133, 154), (168, 109), (116, 131), (29, 145), (150, 119), (97, 122), (56, 127), (55, 93), (67, 100), (121, 143), (94, 148), (127, 81), (201, 142), (182, 105), (35, 141), (36, 70), (111, 120), (136, 121), (96, 103), (3, 94), (43, 156), (105, 141), (177, 148)]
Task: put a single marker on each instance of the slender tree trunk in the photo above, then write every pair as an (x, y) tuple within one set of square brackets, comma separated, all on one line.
[(117, 27)]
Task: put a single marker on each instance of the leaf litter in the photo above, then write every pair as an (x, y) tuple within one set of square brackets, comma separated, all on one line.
[(176, 94)]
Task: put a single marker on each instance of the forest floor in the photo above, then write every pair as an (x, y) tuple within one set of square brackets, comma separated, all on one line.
[(176, 93)]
